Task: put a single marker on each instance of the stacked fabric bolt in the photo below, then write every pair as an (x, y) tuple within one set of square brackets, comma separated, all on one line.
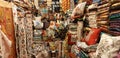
[(96, 1), (92, 15), (115, 18), (103, 12)]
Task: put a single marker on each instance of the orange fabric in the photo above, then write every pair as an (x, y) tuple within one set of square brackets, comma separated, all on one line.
[(72, 55), (6, 20), (65, 5)]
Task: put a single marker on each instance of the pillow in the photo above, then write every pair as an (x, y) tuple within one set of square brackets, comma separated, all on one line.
[(93, 36), (108, 46), (79, 9)]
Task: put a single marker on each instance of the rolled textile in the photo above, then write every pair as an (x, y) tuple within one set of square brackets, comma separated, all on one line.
[(103, 5), (113, 8), (102, 22), (114, 12), (103, 12), (102, 9), (115, 4), (79, 29), (114, 16), (102, 2), (115, 24), (115, 33), (105, 17), (96, 1), (115, 29), (114, 1)]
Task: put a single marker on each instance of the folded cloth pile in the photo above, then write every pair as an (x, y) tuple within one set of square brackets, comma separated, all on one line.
[(96, 1), (103, 12), (114, 18), (92, 15)]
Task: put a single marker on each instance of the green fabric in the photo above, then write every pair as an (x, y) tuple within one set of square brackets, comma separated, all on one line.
[(114, 16)]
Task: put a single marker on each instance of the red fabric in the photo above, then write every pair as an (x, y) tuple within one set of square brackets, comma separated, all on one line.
[(69, 40), (93, 36), (72, 55)]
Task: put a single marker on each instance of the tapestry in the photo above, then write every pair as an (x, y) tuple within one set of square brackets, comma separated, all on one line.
[(24, 34), (7, 26), (22, 37), (65, 5), (29, 31)]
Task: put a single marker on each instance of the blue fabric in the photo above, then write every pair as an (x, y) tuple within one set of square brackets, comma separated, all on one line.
[(96, 1), (44, 11)]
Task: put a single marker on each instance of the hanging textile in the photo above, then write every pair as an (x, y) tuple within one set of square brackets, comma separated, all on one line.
[(22, 36), (72, 5), (29, 31), (36, 4), (65, 5), (5, 45), (7, 26)]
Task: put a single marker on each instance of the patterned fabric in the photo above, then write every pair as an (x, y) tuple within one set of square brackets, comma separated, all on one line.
[(108, 46), (29, 31), (24, 35), (65, 5), (6, 22), (22, 38)]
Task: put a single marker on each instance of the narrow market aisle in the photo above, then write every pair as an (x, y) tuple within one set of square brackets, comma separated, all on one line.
[(59, 29)]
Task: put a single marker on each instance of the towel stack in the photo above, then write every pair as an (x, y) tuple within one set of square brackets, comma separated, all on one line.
[(114, 17)]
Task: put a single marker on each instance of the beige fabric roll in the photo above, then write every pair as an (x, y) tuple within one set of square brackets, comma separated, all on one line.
[(79, 30), (113, 12), (104, 5)]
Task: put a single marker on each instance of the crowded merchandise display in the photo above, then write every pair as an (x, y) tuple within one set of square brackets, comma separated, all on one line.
[(59, 28)]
